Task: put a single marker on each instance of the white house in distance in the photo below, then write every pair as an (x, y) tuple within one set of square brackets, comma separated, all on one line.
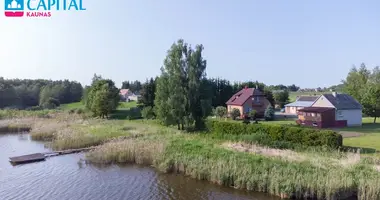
[(125, 94), (300, 103), (347, 109)]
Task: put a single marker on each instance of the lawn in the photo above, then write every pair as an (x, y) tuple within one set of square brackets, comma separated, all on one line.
[(369, 139), (69, 106), (127, 105)]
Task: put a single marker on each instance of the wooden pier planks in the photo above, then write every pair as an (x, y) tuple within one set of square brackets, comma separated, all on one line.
[(27, 158), (36, 157)]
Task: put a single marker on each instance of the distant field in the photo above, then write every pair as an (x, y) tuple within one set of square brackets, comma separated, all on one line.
[(293, 95), (127, 105), (69, 106)]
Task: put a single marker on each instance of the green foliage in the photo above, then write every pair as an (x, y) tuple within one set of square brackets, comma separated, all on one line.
[(21, 94), (221, 111), (50, 103), (102, 98), (364, 86), (269, 95), (148, 93), (182, 95), (134, 86), (148, 113), (281, 97), (252, 114), (235, 113), (279, 136), (269, 113), (355, 83)]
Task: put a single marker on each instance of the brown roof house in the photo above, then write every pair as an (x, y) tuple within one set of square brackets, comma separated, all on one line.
[(332, 110), (248, 99)]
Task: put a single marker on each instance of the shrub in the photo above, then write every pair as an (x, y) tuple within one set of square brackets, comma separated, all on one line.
[(221, 111), (235, 113), (148, 113), (79, 111), (269, 113), (252, 114), (280, 136)]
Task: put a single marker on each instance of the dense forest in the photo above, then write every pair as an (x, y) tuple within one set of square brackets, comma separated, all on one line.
[(26, 93)]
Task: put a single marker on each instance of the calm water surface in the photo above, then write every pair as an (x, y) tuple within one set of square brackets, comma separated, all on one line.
[(69, 178)]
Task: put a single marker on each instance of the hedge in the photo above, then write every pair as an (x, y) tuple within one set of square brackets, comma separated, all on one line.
[(278, 134)]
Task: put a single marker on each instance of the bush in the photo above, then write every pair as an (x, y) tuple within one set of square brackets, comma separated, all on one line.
[(235, 113), (252, 114), (221, 111), (269, 113), (51, 103), (148, 113), (278, 135)]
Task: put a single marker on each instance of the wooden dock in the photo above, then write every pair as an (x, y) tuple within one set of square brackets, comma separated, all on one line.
[(37, 157)]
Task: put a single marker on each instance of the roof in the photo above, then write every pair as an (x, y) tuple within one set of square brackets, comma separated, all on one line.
[(300, 104), (308, 98), (243, 95), (124, 91), (303, 101), (343, 101), (315, 109)]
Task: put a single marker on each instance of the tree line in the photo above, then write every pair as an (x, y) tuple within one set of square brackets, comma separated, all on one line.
[(364, 85), (26, 93)]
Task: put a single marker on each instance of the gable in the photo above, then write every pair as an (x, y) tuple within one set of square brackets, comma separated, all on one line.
[(322, 101)]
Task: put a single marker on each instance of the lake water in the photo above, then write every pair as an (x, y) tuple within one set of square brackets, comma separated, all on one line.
[(69, 178)]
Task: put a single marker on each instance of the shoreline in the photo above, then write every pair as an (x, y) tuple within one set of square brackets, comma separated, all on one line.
[(202, 157)]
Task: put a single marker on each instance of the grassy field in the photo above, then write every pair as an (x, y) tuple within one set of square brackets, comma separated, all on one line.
[(69, 106)]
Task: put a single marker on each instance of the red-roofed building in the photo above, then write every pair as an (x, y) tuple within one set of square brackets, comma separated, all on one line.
[(248, 99), (125, 94)]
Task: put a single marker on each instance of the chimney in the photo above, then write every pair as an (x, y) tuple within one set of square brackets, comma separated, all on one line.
[(334, 94), (245, 87)]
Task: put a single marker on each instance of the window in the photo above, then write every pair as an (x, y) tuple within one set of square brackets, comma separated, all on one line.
[(315, 124), (313, 114), (318, 115)]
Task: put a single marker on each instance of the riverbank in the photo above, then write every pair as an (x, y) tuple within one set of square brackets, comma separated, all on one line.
[(284, 173)]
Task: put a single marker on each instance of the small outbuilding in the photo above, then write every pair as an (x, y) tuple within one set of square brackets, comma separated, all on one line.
[(320, 117), (300, 103)]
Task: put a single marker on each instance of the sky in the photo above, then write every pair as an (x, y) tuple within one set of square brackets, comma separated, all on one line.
[(308, 43)]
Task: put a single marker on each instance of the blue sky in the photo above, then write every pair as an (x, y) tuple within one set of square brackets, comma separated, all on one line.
[(307, 43)]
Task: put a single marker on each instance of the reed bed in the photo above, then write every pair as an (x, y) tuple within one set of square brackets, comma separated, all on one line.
[(16, 125), (204, 160)]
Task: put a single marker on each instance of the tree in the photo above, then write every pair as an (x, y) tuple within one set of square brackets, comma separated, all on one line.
[(148, 93), (8, 94), (102, 97), (293, 88), (269, 113), (269, 96), (356, 81), (281, 98), (370, 98), (125, 85), (182, 95), (221, 111), (51, 103), (148, 113), (235, 113)]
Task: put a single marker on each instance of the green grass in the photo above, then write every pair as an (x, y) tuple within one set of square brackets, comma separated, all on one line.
[(69, 106), (127, 105)]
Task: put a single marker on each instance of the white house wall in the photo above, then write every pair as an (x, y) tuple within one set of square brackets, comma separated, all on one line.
[(353, 117), (322, 102)]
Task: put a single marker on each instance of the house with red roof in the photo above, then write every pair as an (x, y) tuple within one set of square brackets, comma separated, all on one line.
[(248, 99), (125, 94)]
